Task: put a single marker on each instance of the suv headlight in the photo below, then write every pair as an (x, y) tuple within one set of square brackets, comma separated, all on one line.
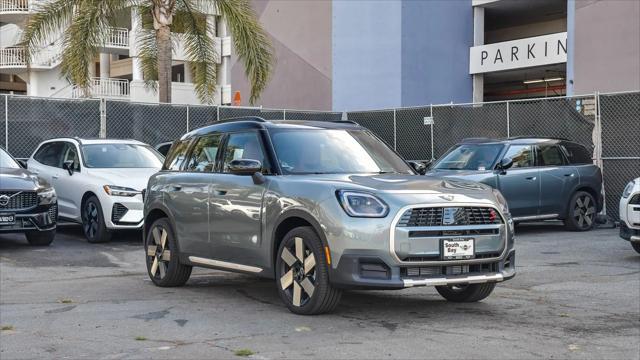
[(627, 189), (46, 196), (120, 191), (361, 204), (504, 207)]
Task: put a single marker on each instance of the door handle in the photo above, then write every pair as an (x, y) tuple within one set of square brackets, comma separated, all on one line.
[(55, 177), (569, 175), (176, 187), (531, 178), (219, 192)]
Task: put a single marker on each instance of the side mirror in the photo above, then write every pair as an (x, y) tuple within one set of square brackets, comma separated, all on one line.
[(245, 167), (68, 165), (419, 167), (22, 163), (505, 164)]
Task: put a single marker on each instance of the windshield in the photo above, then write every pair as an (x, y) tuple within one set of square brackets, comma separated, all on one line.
[(470, 157), (6, 161), (334, 152), (121, 156)]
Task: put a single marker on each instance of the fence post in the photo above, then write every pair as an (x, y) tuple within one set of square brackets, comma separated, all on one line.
[(217, 113), (187, 117), (284, 114), (433, 157), (395, 141), (6, 122), (597, 144), (508, 122), (103, 118)]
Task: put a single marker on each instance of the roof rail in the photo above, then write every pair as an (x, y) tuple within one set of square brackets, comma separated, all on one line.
[(539, 137), (242, 118), (473, 139)]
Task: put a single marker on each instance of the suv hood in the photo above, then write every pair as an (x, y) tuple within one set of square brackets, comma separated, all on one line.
[(135, 178), (397, 183), (19, 179)]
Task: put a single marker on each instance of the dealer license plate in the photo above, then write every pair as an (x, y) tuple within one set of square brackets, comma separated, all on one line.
[(7, 219), (459, 248)]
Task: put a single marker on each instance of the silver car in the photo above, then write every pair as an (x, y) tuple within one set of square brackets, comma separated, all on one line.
[(320, 207)]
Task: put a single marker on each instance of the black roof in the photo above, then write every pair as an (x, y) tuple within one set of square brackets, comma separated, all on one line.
[(515, 140), (258, 123)]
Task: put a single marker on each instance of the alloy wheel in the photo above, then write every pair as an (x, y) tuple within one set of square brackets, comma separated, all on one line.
[(158, 253), (299, 279), (584, 211), (92, 220)]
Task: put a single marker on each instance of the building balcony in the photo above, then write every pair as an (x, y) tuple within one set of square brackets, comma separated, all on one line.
[(104, 88), (13, 59), (16, 11)]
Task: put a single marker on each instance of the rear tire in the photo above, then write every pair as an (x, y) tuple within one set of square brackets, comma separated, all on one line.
[(466, 293), (581, 212), (161, 253), (40, 238), (302, 274), (636, 247), (93, 224)]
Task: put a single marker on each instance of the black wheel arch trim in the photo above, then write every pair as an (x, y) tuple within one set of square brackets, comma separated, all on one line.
[(288, 214), (158, 205)]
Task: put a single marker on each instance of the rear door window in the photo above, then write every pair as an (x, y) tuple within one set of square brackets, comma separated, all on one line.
[(549, 155), (204, 153), (50, 154)]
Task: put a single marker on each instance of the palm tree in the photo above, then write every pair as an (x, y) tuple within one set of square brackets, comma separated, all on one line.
[(85, 25)]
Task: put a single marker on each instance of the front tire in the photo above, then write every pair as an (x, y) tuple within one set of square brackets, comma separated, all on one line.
[(581, 212), (93, 224), (302, 274), (40, 238), (161, 250), (636, 247), (466, 293)]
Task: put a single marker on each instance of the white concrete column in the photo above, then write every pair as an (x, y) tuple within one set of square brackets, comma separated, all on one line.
[(136, 64), (478, 39), (223, 67), (105, 65), (188, 74)]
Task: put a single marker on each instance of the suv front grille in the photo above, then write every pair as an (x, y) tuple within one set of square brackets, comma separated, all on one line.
[(449, 216), (18, 200)]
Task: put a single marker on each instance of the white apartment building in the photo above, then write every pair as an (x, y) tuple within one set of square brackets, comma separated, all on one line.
[(116, 74)]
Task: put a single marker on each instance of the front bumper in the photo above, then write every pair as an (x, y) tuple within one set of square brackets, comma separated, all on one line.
[(124, 212), (42, 218), (629, 234), (372, 272)]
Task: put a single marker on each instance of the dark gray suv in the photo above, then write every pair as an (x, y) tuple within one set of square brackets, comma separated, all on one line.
[(320, 207), (541, 178)]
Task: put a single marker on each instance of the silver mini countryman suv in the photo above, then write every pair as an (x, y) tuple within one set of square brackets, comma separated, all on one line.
[(320, 207)]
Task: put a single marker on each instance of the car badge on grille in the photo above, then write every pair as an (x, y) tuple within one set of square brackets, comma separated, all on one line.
[(446, 197), (4, 199), (450, 215)]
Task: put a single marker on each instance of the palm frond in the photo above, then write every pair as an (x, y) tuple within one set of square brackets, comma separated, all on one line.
[(251, 43), (49, 21), (85, 36), (199, 48)]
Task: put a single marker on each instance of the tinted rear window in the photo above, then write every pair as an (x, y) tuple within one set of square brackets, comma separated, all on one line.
[(577, 154), (176, 156)]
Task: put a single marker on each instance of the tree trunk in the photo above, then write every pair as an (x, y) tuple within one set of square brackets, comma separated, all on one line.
[(163, 39)]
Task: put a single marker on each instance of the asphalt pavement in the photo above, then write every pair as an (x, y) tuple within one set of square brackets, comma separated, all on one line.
[(576, 296)]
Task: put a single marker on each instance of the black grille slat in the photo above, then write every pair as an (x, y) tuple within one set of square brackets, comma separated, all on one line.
[(433, 216), (19, 200), (53, 213)]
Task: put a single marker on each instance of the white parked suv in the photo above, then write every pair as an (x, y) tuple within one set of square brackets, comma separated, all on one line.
[(630, 214), (99, 182)]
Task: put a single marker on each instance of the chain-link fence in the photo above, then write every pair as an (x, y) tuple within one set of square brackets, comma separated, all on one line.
[(607, 124)]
